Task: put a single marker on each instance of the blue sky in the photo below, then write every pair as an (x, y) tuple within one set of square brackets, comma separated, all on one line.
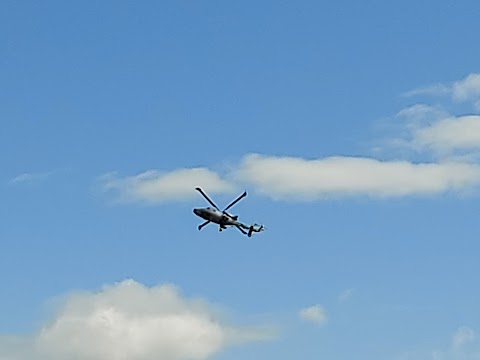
[(354, 127)]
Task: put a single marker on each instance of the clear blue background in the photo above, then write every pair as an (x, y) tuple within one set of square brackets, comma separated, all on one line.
[(92, 87)]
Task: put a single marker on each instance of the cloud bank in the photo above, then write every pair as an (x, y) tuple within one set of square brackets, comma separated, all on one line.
[(129, 321), (430, 130), (295, 178)]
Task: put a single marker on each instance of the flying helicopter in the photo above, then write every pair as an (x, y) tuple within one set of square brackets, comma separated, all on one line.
[(223, 218)]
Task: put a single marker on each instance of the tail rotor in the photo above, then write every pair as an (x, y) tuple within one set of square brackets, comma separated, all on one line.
[(255, 228)]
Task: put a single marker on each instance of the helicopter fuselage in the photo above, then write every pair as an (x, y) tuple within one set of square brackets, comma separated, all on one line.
[(217, 217)]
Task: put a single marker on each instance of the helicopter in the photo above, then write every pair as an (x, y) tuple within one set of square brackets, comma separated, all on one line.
[(223, 218)]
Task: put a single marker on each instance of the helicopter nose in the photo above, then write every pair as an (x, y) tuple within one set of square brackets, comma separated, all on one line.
[(196, 212)]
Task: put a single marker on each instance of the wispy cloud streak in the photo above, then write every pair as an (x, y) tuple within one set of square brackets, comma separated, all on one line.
[(29, 178), (465, 90)]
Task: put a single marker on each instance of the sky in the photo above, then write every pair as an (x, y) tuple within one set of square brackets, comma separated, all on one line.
[(353, 126)]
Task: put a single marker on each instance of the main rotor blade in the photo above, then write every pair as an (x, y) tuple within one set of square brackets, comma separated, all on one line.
[(235, 201), (202, 225), (207, 198)]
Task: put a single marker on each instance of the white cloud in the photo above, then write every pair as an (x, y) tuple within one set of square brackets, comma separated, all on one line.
[(298, 178), (315, 314), (128, 321), (450, 134), (156, 186)]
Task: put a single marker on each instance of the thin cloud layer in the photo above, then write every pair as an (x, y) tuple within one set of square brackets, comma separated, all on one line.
[(432, 90), (155, 186), (346, 295), (297, 178), (463, 336), (129, 321)]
